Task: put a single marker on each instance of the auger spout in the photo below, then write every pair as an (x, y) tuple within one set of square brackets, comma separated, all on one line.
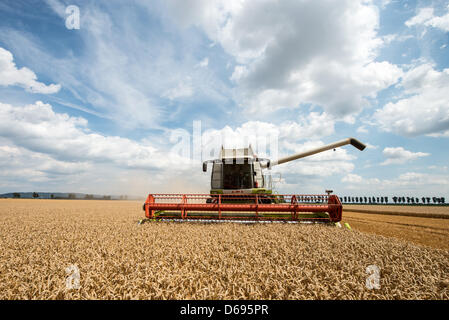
[(352, 141)]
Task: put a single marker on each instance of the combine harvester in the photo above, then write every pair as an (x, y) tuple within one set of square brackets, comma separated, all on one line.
[(240, 192)]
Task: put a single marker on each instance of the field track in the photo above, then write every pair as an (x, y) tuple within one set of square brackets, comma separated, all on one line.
[(441, 212), (430, 232), (119, 259)]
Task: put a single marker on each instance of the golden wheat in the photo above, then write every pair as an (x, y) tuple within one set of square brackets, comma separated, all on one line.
[(119, 259)]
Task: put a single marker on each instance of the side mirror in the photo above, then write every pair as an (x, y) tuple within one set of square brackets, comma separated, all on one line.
[(204, 166)]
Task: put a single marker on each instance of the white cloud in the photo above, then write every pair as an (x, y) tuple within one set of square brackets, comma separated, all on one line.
[(43, 149), (19, 163), (313, 126), (204, 63), (384, 3), (419, 179), (389, 38), (183, 90), (10, 75), (370, 146), (408, 183), (352, 178), (427, 18), (39, 129), (125, 74), (424, 110), (275, 141), (287, 56), (362, 129), (239, 72), (424, 14), (399, 155)]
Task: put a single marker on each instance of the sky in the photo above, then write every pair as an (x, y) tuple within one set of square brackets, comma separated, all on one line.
[(115, 97)]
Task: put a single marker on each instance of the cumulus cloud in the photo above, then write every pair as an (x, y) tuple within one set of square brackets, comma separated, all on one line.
[(126, 70), (424, 109), (362, 129), (38, 128), (41, 148), (19, 163), (412, 183), (10, 75), (275, 141), (399, 155), (204, 63), (352, 178), (370, 146), (184, 89), (427, 18), (286, 55), (269, 138)]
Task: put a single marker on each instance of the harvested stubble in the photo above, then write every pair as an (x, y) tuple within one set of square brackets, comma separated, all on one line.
[(119, 259)]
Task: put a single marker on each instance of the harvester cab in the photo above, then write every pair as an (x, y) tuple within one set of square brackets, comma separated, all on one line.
[(240, 192), (237, 171)]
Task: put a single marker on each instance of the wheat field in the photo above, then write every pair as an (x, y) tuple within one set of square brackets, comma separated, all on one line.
[(119, 259)]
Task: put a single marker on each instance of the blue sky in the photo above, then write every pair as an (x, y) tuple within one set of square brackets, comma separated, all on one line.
[(104, 108)]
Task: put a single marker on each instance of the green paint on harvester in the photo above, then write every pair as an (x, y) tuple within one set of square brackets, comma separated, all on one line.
[(347, 225)]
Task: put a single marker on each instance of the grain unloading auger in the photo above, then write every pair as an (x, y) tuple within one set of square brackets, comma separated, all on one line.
[(240, 192)]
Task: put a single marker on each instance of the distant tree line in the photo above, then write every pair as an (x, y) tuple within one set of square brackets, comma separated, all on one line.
[(36, 195), (395, 200)]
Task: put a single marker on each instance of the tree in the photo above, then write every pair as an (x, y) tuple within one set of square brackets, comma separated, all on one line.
[(423, 200), (35, 195), (52, 196), (386, 199), (16, 195), (434, 199), (442, 199), (72, 196)]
